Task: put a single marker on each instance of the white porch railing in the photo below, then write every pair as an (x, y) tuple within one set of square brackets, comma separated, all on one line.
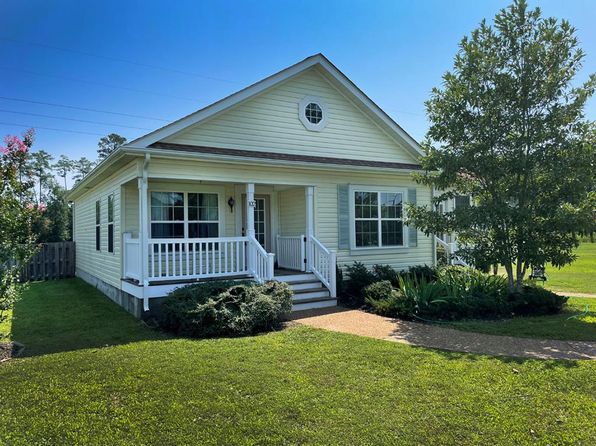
[(322, 263), (291, 251), (171, 259), (451, 249), (131, 256), (194, 258)]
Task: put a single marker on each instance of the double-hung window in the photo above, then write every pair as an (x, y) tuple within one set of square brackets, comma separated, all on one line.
[(182, 214), (97, 225), (111, 223), (378, 219)]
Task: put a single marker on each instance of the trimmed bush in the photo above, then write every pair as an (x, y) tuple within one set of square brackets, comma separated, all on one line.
[(224, 308)]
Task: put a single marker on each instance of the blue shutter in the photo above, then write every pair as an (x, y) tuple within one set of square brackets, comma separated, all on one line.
[(343, 216), (412, 231)]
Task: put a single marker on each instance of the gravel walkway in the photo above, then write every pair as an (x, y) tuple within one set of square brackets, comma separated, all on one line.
[(427, 335)]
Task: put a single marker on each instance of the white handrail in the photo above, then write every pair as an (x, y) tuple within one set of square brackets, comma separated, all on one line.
[(451, 251), (261, 263), (322, 263), (290, 251)]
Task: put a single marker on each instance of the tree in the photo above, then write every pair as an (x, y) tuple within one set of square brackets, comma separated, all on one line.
[(40, 163), (17, 213), (507, 128), (81, 168), (55, 223), (63, 167), (108, 144)]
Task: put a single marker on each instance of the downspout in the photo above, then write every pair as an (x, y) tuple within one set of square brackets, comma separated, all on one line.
[(143, 213)]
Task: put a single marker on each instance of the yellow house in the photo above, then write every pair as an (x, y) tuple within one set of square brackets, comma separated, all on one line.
[(282, 180)]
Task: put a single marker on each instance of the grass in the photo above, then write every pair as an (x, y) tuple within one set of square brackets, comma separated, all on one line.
[(69, 315), (580, 276), (297, 386), (577, 322)]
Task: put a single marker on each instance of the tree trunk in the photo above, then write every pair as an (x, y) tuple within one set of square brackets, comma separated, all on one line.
[(519, 276), (510, 280)]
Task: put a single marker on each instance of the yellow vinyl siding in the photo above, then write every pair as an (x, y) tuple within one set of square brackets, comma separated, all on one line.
[(269, 122), (292, 211), (102, 264), (325, 182)]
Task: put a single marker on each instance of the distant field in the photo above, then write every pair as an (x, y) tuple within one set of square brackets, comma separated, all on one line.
[(579, 277)]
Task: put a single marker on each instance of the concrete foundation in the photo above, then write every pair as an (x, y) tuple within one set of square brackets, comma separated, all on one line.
[(127, 301)]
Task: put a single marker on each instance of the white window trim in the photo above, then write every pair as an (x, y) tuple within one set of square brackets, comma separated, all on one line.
[(185, 191), (379, 190), (301, 113)]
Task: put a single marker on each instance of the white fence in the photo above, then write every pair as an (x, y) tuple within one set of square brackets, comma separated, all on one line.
[(291, 252)]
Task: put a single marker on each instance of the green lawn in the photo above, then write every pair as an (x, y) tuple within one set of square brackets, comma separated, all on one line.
[(577, 322), (297, 386), (580, 276)]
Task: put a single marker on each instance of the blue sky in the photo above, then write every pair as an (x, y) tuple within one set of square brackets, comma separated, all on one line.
[(188, 54)]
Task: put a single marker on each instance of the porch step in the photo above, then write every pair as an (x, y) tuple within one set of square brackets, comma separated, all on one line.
[(309, 304), (293, 278), (310, 293)]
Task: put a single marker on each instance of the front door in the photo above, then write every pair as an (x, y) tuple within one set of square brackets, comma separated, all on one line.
[(262, 220)]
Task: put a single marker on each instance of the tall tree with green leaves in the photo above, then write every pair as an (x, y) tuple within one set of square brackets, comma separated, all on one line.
[(81, 168), (41, 167), (108, 144), (63, 167), (507, 127)]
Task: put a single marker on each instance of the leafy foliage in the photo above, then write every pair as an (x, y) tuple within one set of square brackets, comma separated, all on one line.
[(226, 308), (109, 144), (508, 129), (459, 293), (17, 213)]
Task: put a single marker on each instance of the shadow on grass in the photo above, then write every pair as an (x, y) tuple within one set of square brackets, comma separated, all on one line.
[(69, 314)]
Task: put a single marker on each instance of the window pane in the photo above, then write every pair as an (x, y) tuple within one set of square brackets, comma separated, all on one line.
[(202, 207), (167, 230), (110, 208), (367, 233), (366, 205), (393, 234), (111, 238), (167, 206), (391, 205), (203, 230)]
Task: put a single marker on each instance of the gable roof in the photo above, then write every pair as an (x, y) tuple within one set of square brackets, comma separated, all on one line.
[(332, 73)]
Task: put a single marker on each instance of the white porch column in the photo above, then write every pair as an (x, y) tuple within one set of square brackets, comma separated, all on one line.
[(310, 224), (250, 225), (144, 228)]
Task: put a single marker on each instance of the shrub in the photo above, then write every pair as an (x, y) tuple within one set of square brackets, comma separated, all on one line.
[(386, 272), (359, 277), (536, 301), (226, 308), (377, 291), (421, 273), (459, 293)]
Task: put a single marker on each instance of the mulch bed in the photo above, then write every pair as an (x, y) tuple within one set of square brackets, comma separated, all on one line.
[(9, 350)]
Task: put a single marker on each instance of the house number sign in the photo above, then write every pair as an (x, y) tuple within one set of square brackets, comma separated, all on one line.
[(252, 203)]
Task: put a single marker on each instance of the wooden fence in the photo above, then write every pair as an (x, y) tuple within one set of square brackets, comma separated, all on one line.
[(53, 261)]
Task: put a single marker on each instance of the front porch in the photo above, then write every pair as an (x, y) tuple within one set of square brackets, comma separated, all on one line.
[(181, 232)]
